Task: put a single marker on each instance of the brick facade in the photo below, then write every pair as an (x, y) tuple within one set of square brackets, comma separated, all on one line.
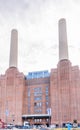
[(11, 97), (18, 95), (64, 90)]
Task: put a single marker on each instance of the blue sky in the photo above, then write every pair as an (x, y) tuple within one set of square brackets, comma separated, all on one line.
[(37, 25)]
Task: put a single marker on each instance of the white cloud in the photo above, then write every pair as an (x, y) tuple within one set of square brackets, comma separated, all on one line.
[(37, 24)]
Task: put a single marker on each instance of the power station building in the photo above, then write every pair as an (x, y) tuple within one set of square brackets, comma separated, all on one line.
[(41, 97)]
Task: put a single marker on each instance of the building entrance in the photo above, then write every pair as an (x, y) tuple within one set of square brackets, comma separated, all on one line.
[(37, 119)]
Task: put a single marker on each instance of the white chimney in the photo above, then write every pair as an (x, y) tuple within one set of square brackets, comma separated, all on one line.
[(63, 46), (13, 49)]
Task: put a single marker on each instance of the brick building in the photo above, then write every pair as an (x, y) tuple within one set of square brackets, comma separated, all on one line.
[(41, 97)]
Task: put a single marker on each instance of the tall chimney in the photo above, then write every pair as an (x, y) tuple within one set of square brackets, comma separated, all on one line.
[(13, 49), (63, 46)]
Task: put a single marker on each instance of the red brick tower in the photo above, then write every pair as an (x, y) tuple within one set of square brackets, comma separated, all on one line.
[(12, 87), (64, 84)]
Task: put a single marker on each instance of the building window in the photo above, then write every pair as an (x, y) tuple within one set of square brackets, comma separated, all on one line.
[(37, 110), (37, 107), (47, 90), (39, 98), (37, 91), (28, 92), (37, 104), (47, 104), (40, 104), (40, 120), (47, 98), (35, 120)]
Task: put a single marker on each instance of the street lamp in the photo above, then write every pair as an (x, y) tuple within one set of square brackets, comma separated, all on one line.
[(49, 113)]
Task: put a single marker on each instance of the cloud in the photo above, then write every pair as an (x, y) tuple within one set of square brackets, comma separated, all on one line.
[(76, 1), (37, 24)]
